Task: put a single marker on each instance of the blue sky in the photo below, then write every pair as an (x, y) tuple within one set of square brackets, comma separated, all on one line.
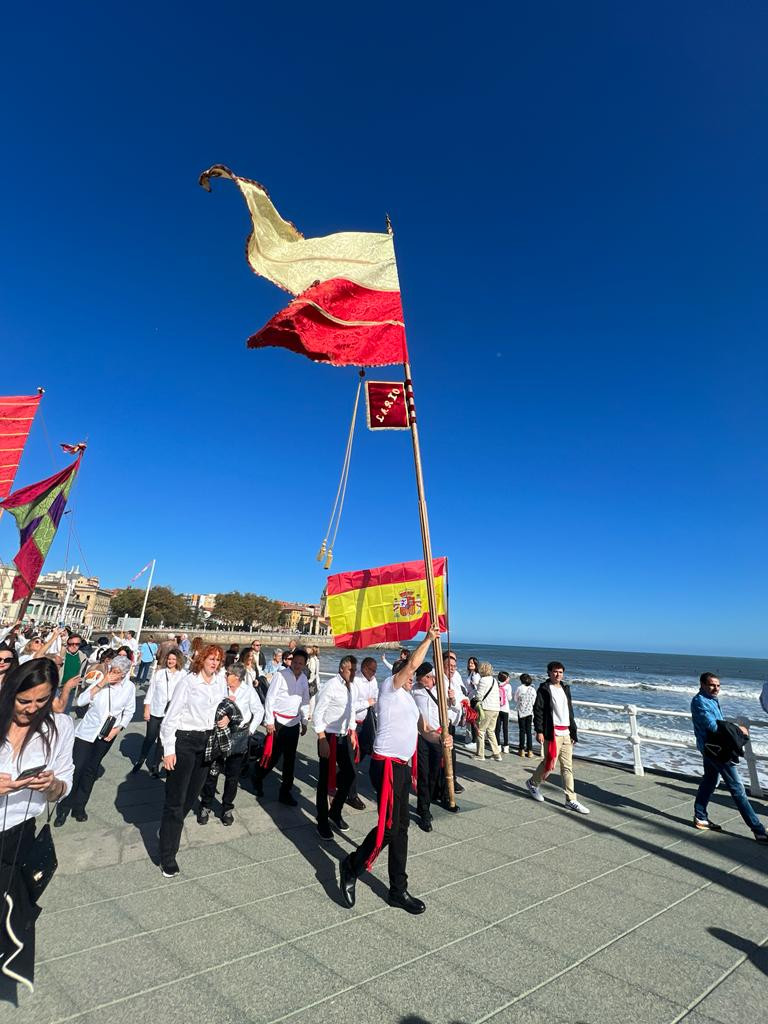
[(579, 198)]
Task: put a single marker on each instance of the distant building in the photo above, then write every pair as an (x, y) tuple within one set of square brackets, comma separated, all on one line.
[(203, 603), (302, 618), (87, 602)]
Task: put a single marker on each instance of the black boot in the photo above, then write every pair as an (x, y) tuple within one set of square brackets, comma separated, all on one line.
[(405, 901), (347, 881)]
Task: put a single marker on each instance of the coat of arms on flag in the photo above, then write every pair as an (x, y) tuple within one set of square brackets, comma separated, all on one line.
[(387, 604)]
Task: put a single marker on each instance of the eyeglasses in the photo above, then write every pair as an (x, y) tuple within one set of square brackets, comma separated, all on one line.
[(6, 661), (73, 643)]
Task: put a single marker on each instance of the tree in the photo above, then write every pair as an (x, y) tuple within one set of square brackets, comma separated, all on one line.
[(236, 609), (163, 605)]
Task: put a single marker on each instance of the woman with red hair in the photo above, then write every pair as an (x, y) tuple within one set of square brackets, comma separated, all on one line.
[(188, 722)]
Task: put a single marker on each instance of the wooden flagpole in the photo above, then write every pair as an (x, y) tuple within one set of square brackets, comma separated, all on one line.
[(426, 541)]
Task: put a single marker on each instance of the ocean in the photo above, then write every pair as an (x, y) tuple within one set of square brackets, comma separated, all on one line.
[(658, 681)]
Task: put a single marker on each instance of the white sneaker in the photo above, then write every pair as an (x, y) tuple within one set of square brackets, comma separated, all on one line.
[(574, 805), (470, 746), (534, 791)]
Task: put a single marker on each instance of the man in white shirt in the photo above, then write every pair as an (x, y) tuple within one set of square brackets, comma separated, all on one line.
[(334, 723), (286, 710), (556, 732), (365, 693), (455, 694), (430, 781)]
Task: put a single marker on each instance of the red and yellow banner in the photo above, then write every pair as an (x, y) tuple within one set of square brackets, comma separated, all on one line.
[(384, 605)]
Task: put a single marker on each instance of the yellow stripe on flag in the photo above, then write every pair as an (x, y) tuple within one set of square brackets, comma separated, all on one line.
[(368, 607)]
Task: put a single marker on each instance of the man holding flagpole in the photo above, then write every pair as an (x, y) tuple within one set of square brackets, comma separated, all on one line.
[(393, 749)]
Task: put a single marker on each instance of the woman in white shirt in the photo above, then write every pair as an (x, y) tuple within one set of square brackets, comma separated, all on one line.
[(111, 703), (239, 690), (184, 735), (31, 736), (488, 695), (156, 701)]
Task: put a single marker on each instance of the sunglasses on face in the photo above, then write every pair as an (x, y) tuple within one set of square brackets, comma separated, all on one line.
[(6, 661)]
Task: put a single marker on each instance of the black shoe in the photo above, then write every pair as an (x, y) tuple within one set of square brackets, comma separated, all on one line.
[(136, 768), (457, 787), (79, 815), (60, 819), (347, 881), (339, 822), (227, 818), (258, 789), (425, 824), (447, 807), (356, 802), (286, 798), (324, 830), (154, 773), (405, 901), (170, 870), (203, 814)]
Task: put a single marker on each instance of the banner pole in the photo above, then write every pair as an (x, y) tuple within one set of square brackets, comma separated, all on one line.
[(430, 577), (146, 598)]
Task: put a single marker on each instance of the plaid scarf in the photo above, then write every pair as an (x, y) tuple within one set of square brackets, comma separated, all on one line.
[(219, 741)]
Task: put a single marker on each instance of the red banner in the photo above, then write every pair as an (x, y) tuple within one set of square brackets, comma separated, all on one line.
[(385, 405)]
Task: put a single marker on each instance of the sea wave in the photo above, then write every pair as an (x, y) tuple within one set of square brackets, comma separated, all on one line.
[(735, 692)]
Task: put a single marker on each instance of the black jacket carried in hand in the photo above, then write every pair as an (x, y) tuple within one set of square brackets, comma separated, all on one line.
[(726, 743), (542, 712)]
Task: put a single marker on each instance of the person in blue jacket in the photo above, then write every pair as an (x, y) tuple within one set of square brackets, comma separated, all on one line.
[(706, 713)]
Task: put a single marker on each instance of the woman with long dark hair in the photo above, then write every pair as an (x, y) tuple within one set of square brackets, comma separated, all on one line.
[(9, 660), (184, 734), (31, 737)]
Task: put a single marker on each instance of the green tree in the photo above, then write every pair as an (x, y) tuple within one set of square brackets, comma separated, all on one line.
[(163, 605)]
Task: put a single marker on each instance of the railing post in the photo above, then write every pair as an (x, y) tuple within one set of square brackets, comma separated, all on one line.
[(634, 739), (755, 789)]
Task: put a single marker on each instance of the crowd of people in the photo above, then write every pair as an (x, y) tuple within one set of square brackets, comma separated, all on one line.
[(237, 715)]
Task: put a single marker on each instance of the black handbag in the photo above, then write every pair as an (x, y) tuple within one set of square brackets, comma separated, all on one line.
[(39, 866)]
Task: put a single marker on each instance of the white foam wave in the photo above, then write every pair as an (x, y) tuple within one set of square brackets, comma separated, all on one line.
[(736, 692)]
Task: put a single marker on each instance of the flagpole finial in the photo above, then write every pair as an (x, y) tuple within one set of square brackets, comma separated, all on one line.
[(390, 229), (41, 391)]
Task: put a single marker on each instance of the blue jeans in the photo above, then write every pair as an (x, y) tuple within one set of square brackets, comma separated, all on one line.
[(730, 774), (145, 667)]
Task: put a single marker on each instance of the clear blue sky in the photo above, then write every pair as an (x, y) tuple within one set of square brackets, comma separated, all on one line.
[(579, 197)]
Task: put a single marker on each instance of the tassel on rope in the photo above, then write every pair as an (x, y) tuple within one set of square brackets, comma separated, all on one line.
[(326, 548)]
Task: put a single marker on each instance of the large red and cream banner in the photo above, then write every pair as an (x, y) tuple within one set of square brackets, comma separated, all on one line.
[(16, 415)]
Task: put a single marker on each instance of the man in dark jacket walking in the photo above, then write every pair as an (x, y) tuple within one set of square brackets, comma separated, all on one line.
[(556, 732)]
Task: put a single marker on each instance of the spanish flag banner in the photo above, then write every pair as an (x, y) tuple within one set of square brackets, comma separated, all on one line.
[(384, 605)]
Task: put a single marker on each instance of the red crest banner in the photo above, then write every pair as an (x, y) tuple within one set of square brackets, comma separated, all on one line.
[(385, 405)]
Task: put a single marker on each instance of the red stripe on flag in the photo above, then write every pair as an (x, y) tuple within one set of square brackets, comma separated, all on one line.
[(402, 572), (363, 338), (390, 632)]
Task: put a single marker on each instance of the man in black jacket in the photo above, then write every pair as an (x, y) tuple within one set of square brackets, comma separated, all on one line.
[(556, 732)]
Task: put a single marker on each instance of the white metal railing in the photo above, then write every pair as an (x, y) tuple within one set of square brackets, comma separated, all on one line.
[(634, 738)]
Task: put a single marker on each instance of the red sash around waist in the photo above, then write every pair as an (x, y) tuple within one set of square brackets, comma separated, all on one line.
[(386, 804)]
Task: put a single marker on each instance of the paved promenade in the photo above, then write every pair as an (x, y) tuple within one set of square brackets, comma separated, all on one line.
[(533, 914)]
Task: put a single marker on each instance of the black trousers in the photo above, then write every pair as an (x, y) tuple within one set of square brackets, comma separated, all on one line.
[(232, 767), (395, 838), (428, 775), (152, 743), (87, 758), (345, 774), (285, 743), (182, 787), (525, 727), (502, 726), (366, 734)]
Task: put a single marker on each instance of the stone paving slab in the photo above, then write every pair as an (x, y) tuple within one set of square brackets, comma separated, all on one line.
[(534, 913)]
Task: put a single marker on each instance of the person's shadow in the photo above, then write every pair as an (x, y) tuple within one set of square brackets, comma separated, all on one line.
[(299, 824), (756, 954), (139, 798)]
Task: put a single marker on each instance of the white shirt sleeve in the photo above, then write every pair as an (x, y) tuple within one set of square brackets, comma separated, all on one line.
[(322, 701), (62, 765), (257, 709), (173, 717), (150, 690), (129, 708), (304, 709), (269, 702)]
